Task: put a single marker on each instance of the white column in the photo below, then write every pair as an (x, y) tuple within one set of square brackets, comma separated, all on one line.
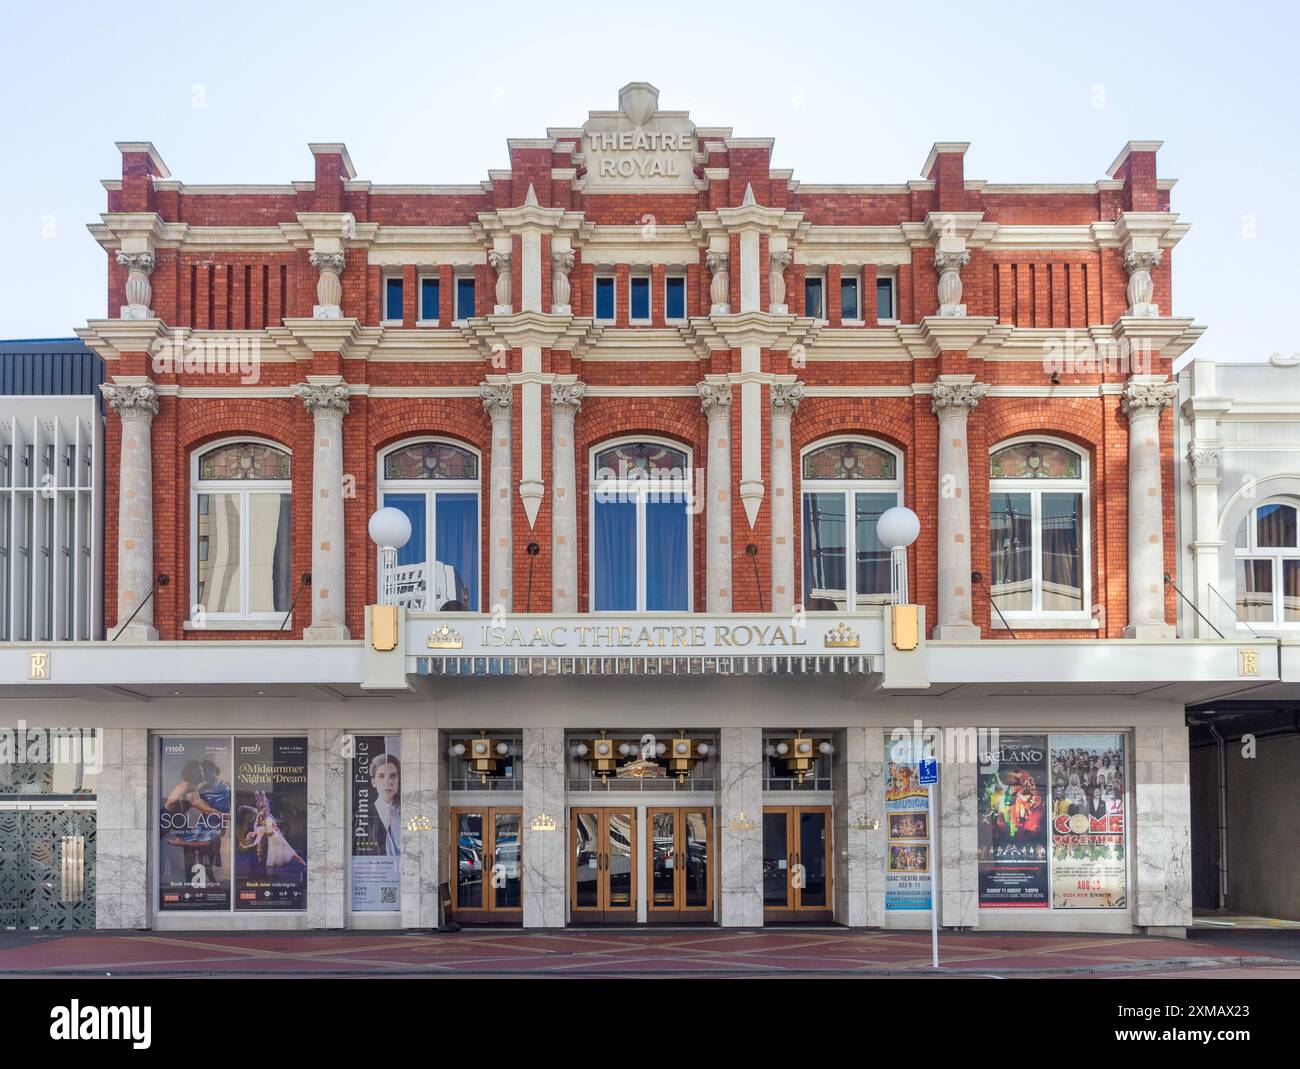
[(545, 860), (136, 404), (328, 403), (530, 271), (715, 398), (953, 398), (497, 399), (566, 399), (785, 399), (1142, 401), (1204, 475), (749, 271), (740, 827)]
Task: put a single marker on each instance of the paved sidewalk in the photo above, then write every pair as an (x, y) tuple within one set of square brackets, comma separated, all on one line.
[(659, 953)]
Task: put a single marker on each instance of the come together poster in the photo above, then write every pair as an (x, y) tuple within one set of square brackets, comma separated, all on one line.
[(1088, 864), (270, 823), (376, 823), (908, 877)]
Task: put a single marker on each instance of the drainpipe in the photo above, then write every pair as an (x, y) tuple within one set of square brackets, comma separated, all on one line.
[(1223, 818)]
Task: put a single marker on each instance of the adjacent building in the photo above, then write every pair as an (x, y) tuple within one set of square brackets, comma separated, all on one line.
[(643, 400)]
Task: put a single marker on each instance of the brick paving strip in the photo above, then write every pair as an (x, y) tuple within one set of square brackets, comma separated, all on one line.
[(664, 953)]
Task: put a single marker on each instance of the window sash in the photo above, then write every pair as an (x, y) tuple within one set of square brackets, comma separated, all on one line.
[(632, 508), (465, 298), (252, 561), (849, 306), (856, 560), (674, 297), (421, 504), (392, 300), (885, 299), (639, 298), (604, 304), (430, 296), (1035, 494)]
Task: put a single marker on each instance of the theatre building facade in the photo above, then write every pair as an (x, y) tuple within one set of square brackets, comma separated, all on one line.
[(635, 652)]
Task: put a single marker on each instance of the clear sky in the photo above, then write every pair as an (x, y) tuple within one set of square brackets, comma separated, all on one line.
[(855, 92)]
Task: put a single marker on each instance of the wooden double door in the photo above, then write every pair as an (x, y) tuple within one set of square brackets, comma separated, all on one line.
[(603, 864), (797, 865), (487, 859)]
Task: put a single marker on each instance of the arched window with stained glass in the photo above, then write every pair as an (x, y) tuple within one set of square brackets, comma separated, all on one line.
[(847, 483), (436, 484), (241, 532)]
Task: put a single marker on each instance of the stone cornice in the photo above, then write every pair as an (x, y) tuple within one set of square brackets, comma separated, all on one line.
[(490, 334), (1163, 227), (711, 333), (343, 336), (110, 338), (961, 333)]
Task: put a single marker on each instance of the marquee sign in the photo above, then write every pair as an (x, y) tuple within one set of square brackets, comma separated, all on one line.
[(684, 635)]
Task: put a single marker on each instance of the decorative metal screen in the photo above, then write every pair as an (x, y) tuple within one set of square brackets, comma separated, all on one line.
[(47, 868)]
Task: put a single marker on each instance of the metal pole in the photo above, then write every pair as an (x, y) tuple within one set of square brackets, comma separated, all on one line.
[(388, 563), (934, 869), (898, 574)]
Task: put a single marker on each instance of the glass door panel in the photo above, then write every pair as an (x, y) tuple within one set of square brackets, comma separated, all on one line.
[(663, 848), (621, 860), (507, 853), (469, 860), (776, 859), (812, 856), (586, 860), (695, 860)]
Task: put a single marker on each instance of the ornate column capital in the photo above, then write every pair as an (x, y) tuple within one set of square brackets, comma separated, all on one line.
[(497, 398), (132, 401), (1137, 260), (951, 261), (323, 401), (566, 397), (956, 397), (136, 261), (786, 397), (1203, 462), (715, 398), (328, 261), (1146, 398)]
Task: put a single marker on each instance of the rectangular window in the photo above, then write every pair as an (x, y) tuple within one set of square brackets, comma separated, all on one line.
[(465, 298), (1011, 551), (814, 303), (639, 298), (429, 296), (849, 308), (1255, 590), (885, 299), (825, 553), (872, 554), (392, 300), (666, 555), (447, 579), (1062, 564), (675, 297), (614, 559), (605, 298), (227, 545)]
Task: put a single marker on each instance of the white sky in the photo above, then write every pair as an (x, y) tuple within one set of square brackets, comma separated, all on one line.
[(233, 92)]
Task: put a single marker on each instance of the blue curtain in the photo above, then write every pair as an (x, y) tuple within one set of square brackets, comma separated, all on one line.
[(456, 538), (413, 505), (666, 549), (615, 556)]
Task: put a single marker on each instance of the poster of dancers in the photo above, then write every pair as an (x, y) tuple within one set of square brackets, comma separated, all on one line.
[(1013, 824), (194, 824), (270, 825)]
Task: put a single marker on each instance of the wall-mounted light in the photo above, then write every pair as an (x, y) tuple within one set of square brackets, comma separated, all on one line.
[(483, 755), (798, 755)]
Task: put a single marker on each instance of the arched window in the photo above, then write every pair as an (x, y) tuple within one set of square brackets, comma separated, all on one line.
[(242, 526), (1038, 529), (640, 556), (846, 485), (1268, 565), (436, 484)]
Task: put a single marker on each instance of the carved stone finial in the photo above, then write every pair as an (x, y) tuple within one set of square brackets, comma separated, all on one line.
[(323, 401), (132, 402), (1140, 287), (500, 263), (329, 287), (561, 288), (949, 265), (720, 287), (139, 293), (778, 262)]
